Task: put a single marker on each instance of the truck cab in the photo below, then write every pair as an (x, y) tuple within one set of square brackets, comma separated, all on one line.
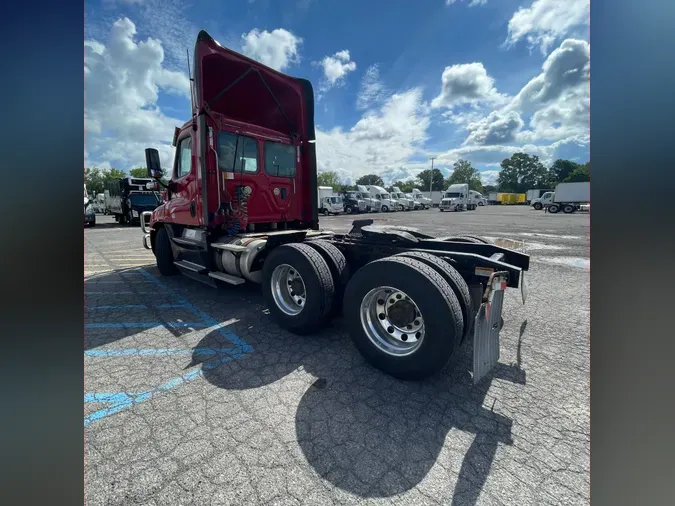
[(372, 204), (387, 202), (419, 197), (405, 203), (455, 198), (353, 203), (476, 199)]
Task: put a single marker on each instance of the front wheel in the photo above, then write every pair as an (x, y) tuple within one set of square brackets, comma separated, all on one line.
[(349, 210), (403, 317), (538, 206), (164, 254), (385, 209)]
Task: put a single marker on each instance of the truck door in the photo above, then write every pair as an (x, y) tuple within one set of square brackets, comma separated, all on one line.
[(184, 196)]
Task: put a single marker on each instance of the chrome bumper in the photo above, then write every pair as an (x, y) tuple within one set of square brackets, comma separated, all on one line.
[(146, 231), (146, 241)]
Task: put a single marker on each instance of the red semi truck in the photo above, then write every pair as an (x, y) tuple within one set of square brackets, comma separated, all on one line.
[(241, 206)]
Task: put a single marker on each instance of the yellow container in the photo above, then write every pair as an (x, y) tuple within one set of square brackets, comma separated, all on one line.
[(521, 198)]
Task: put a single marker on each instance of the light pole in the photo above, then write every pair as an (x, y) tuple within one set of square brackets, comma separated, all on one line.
[(431, 179)]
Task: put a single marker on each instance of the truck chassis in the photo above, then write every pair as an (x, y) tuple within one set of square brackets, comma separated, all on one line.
[(409, 300)]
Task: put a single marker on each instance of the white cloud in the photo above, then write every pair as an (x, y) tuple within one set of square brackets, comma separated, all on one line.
[(496, 128), (335, 68), (466, 83), (123, 79), (546, 21), (382, 139), (473, 3), (372, 89), (278, 49), (489, 177)]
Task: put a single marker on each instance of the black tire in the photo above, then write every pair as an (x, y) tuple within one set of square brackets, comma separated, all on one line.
[(385, 209), (319, 286), (349, 210), (569, 209), (553, 208), (339, 269), (164, 254), (436, 302), (454, 279), (538, 206)]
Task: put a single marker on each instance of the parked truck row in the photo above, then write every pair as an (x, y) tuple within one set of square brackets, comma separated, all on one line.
[(369, 198)]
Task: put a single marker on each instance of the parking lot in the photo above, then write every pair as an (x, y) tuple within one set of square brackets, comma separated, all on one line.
[(193, 396)]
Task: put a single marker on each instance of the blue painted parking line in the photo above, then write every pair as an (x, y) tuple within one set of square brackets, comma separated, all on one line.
[(137, 306), (117, 401), (143, 325), (135, 352)]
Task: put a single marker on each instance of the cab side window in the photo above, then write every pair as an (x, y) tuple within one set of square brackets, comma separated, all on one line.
[(184, 157), (279, 159)]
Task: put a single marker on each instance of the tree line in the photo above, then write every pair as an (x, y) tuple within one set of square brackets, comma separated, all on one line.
[(519, 173), (96, 178)]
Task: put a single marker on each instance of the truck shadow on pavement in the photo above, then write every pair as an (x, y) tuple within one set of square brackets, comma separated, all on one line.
[(368, 433)]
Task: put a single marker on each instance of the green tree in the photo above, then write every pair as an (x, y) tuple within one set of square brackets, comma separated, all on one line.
[(425, 177), (489, 188), (404, 186), (370, 179), (560, 170), (94, 179), (465, 173), (114, 174), (522, 172), (580, 174), (328, 179), (139, 172)]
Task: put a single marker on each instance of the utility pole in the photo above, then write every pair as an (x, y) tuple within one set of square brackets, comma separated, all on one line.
[(431, 179)]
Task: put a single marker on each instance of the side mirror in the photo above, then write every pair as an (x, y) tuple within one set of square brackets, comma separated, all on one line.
[(153, 164)]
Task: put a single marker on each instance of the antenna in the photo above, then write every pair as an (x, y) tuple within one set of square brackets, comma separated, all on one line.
[(192, 105)]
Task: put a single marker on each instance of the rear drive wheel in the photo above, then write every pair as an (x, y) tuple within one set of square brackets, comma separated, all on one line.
[(538, 206), (298, 288), (553, 208), (337, 263), (403, 317), (453, 278), (164, 254), (568, 209)]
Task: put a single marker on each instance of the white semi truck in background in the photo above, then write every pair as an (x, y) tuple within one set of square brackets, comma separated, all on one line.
[(421, 199), (329, 203), (372, 204), (568, 197), (456, 198), (476, 198), (405, 203), (383, 196), (532, 195)]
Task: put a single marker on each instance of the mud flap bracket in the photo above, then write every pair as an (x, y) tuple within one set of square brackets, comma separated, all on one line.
[(487, 326)]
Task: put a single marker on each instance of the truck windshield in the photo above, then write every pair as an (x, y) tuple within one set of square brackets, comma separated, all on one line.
[(143, 199), (452, 195), (336, 200), (279, 159), (352, 195)]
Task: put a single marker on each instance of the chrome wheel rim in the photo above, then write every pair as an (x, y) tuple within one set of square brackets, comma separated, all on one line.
[(288, 289), (392, 321)]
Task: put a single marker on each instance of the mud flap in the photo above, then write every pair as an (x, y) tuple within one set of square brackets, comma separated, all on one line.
[(487, 327)]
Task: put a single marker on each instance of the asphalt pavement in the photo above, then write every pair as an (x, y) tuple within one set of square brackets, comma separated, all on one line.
[(193, 396)]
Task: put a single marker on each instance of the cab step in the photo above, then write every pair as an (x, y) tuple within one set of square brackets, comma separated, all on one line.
[(191, 266), (226, 278)]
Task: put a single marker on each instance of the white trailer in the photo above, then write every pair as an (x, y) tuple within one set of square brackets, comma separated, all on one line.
[(492, 198), (456, 198), (435, 197), (568, 197)]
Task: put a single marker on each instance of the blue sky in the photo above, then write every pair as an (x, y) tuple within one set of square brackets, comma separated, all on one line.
[(395, 82)]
